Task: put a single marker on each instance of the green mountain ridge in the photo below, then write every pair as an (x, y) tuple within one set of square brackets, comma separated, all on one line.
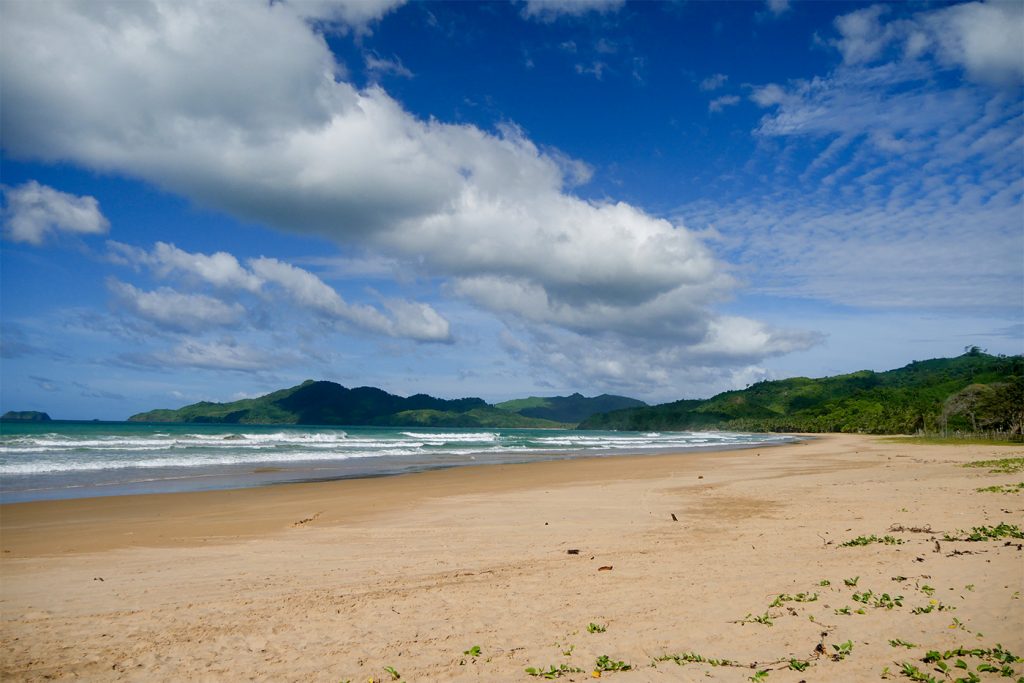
[(573, 408), (329, 403), (970, 392)]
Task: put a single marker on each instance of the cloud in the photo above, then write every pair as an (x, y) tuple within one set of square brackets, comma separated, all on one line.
[(361, 267), (984, 39), (409, 319), (416, 320), (713, 82), (549, 11), (720, 103), (595, 69), (862, 36), (379, 66), (34, 212), (171, 310), (16, 342), (266, 277), (858, 101), (354, 14), (300, 285), (225, 354), (89, 392), (574, 172), (282, 139), (45, 383), (768, 95), (778, 7), (637, 367), (220, 269), (891, 180)]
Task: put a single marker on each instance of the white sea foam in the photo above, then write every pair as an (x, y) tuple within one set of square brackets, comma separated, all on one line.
[(446, 437), (52, 466), (201, 452)]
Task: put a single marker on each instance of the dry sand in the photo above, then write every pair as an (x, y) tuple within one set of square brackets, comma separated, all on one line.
[(338, 580)]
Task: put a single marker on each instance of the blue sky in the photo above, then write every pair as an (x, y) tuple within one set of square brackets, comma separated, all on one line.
[(663, 200)]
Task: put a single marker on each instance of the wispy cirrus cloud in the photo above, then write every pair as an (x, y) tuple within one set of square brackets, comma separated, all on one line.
[(778, 7), (720, 103), (548, 11), (713, 82), (378, 66), (226, 354), (891, 174)]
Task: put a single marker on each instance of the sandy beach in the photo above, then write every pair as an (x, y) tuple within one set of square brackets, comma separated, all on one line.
[(734, 555)]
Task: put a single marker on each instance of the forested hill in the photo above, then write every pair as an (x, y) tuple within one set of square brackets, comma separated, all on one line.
[(972, 392), (328, 403), (574, 408)]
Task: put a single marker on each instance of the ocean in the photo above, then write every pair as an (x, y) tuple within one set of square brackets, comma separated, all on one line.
[(64, 459)]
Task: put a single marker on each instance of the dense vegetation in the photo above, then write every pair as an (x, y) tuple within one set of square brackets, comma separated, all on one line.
[(973, 392), (328, 403), (572, 409)]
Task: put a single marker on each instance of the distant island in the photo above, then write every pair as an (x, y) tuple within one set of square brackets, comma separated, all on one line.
[(329, 403), (975, 392), (24, 416)]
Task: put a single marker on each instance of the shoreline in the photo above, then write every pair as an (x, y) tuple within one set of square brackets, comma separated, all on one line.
[(210, 510), (133, 478), (340, 580)]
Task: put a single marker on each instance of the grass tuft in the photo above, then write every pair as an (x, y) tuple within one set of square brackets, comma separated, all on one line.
[(1000, 466)]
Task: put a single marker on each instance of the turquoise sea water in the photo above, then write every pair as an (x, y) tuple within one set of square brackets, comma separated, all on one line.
[(77, 459)]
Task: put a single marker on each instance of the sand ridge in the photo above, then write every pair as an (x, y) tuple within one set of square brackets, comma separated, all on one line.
[(340, 580)]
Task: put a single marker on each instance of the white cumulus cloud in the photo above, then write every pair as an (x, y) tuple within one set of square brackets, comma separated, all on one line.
[(409, 319), (173, 310), (34, 212), (862, 36), (983, 38), (351, 12), (242, 107), (269, 278), (220, 269)]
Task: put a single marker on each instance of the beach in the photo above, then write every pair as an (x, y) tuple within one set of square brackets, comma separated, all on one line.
[(478, 573)]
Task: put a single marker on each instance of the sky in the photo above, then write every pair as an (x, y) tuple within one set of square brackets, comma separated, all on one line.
[(214, 200)]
